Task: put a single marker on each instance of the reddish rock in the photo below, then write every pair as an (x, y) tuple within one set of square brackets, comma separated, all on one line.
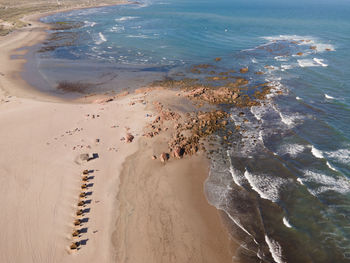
[(129, 138), (164, 157), (217, 59), (178, 152), (243, 70)]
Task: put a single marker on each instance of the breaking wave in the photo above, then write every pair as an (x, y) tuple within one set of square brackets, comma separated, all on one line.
[(322, 183), (275, 249), (266, 186)]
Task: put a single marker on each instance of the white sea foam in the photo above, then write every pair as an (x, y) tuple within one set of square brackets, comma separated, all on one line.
[(266, 186), (101, 39), (338, 184), (320, 62), (261, 137), (298, 98), (257, 111), (286, 66), (300, 181), (328, 97), (89, 24), (281, 58), (320, 47), (288, 120), (286, 222), (236, 221), (340, 156), (315, 62), (317, 153), (303, 41), (331, 167), (291, 149), (117, 29), (275, 249), (235, 178), (138, 36), (125, 18)]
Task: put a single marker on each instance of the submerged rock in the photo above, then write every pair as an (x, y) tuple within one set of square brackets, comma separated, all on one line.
[(244, 70)]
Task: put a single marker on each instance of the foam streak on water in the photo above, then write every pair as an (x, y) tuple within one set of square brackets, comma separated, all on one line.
[(286, 222), (317, 153), (275, 249), (266, 186), (235, 178)]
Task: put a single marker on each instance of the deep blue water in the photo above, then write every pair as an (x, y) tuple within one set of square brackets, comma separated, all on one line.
[(286, 196)]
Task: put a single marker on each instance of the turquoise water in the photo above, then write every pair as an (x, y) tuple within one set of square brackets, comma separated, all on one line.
[(285, 188)]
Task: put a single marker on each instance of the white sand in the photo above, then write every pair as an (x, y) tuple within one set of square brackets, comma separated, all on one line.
[(40, 181)]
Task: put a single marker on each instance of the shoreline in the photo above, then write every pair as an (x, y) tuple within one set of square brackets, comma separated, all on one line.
[(163, 214), (44, 137), (15, 43)]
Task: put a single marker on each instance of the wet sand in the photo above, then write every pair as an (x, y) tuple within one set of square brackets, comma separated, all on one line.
[(163, 215)]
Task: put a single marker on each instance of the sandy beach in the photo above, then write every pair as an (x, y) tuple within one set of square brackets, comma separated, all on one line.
[(135, 210)]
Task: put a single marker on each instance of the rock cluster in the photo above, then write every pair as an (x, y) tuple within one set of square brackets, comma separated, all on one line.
[(215, 96), (186, 139), (154, 128), (223, 89)]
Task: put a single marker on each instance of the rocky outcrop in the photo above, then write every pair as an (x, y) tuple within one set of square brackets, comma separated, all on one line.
[(129, 138), (213, 91), (214, 96)]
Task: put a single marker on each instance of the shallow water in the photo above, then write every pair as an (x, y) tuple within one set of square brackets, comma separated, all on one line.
[(284, 185)]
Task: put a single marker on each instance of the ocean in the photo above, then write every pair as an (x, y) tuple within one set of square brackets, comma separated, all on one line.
[(284, 184)]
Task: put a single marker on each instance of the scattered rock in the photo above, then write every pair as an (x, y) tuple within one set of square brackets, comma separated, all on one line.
[(178, 152), (300, 53), (74, 245), (313, 47), (217, 59), (244, 70), (129, 138), (154, 157), (164, 157)]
